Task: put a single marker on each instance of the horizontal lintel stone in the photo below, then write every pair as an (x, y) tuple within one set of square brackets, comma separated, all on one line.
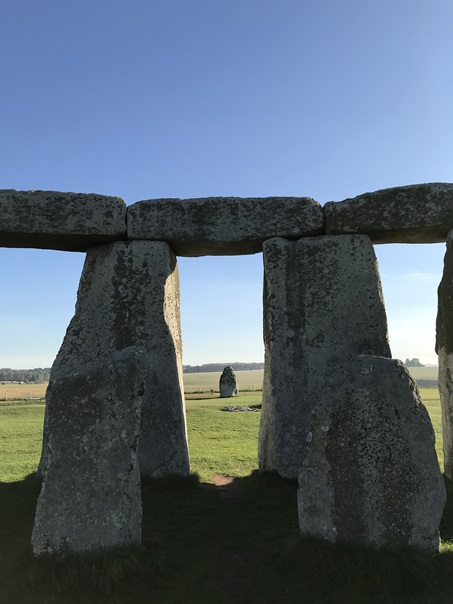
[(60, 221), (223, 225), (420, 213)]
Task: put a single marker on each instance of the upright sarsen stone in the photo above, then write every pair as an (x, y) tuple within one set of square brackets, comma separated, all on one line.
[(128, 298), (115, 387), (323, 306), (444, 349), (371, 475), (91, 495)]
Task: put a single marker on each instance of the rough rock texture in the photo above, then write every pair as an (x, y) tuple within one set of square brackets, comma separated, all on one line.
[(228, 384), (91, 495), (129, 299), (322, 307), (60, 221), (412, 214), (444, 348), (371, 474), (223, 225)]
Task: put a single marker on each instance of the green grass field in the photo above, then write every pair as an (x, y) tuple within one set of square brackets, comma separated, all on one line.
[(219, 442), (206, 543)]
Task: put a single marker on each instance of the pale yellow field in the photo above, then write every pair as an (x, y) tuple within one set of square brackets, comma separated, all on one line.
[(9, 392), (202, 382), (424, 373), (193, 382), (253, 380)]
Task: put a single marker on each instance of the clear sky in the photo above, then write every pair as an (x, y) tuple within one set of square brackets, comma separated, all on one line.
[(171, 98)]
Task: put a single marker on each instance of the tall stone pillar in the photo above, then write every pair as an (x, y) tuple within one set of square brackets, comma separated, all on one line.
[(116, 385), (323, 307), (444, 349), (91, 497)]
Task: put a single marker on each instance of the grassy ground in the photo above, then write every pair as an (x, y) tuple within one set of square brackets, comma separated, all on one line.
[(210, 540)]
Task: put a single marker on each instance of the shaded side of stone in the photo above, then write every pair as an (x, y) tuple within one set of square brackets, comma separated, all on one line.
[(223, 225), (228, 383), (412, 214), (60, 221), (323, 306), (91, 496), (371, 474), (128, 298), (444, 349)]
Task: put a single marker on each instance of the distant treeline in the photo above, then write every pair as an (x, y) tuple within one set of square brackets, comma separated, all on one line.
[(29, 376), (210, 367)]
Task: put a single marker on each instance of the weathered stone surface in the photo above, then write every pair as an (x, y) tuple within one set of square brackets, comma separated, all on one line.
[(228, 384), (60, 221), (412, 214), (322, 307), (91, 496), (371, 475), (223, 225), (128, 298), (444, 349)]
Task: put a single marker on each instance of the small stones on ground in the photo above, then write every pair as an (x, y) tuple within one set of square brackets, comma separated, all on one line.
[(232, 408)]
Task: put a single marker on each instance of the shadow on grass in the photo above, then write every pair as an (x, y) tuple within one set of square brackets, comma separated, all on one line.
[(201, 544)]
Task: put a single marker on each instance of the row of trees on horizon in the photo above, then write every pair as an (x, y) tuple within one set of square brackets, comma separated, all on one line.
[(29, 376), (39, 374), (210, 367)]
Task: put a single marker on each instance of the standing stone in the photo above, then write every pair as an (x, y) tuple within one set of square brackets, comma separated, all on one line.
[(323, 306), (228, 384), (115, 387), (444, 348), (128, 299), (91, 495), (371, 475)]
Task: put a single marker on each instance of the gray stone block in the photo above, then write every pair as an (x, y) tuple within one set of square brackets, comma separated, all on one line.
[(60, 221), (323, 305), (223, 225), (411, 214), (91, 496), (228, 385), (371, 475), (128, 298), (444, 349)]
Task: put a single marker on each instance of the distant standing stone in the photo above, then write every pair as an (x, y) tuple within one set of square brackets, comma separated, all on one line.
[(228, 384)]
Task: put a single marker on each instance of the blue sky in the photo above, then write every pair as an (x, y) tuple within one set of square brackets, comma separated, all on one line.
[(170, 98)]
